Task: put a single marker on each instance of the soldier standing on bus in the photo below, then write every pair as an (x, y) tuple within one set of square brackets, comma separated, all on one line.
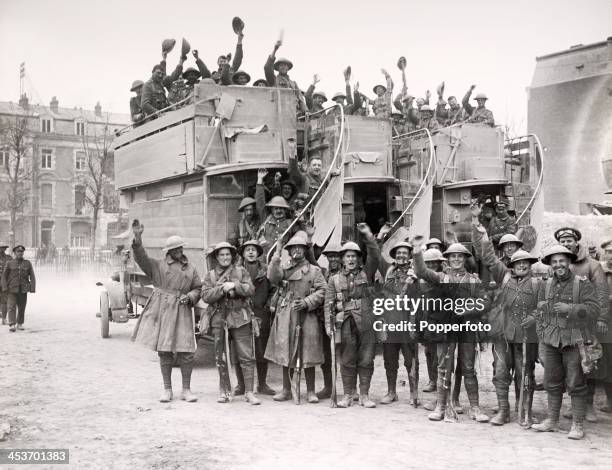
[(166, 323), (382, 106), (282, 80), (480, 114)]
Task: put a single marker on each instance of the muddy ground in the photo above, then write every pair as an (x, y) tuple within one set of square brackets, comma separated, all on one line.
[(62, 386)]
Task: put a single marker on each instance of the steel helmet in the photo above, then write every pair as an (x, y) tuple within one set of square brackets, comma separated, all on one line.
[(247, 201), (185, 47), (568, 232), (557, 250), (427, 108), (168, 45), (174, 241), (283, 60), (4, 245), (136, 84), (381, 86), (278, 201), (399, 245), (259, 81), (321, 94), (457, 248), (433, 240), (238, 73), (254, 243), (220, 246), (408, 97), (338, 95), (433, 254), (299, 239), (191, 71), (510, 238), (349, 246), (332, 248), (481, 96), (522, 255)]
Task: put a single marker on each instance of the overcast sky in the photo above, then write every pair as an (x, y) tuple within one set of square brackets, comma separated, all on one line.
[(89, 51)]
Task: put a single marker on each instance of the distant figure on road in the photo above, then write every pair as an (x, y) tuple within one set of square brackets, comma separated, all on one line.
[(166, 323), (17, 280)]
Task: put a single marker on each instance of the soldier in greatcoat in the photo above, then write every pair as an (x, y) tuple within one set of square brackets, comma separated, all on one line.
[(301, 291), (17, 281), (166, 323), (227, 289)]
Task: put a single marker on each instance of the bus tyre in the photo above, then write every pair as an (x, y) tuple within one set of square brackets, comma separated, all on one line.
[(104, 314)]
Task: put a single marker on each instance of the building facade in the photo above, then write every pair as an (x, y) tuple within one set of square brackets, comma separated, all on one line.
[(570, 109), (55, 179)]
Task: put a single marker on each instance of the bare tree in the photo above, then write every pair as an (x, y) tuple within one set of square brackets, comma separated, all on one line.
[(99, 171), (16, 139)]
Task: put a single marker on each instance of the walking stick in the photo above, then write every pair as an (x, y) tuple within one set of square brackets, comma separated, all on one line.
[(298, 364), (333, 403), (228, 360)]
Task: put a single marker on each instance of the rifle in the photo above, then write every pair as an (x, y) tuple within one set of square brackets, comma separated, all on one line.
[(298, 360), (525, 385), (450, 415), (333, 403), (228, 360)]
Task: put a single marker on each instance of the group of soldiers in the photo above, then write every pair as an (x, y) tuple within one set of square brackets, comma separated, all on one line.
[(301, 316), (163, 90)]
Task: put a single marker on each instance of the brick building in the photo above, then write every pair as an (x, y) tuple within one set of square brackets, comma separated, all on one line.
[(55, 211)]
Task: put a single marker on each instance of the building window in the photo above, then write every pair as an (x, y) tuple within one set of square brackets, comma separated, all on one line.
[(80, 161), (4, 158), (46, 159), (45, 125), (79, 199), (46, 195), (79, 128)]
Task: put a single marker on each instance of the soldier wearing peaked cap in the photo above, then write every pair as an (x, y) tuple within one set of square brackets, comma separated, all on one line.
[(301, 291), (228, 289), (592, 270), (512, 319), (166, 323), (348, 309), (502, 222), (480, 114), (567, 306)]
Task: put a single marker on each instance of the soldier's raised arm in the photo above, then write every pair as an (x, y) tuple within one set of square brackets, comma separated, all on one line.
[(420, 268), (373, 251), (469, 109), (168, 80), (201, 65), (238, 54), (269, 66), (148, 265), (347, 85), (260, 194)]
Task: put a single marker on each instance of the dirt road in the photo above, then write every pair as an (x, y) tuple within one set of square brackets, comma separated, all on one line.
[(62, 386)]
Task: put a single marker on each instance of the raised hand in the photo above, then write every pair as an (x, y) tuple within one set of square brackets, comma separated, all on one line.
[(196, 54), (261, 174), (315, 79), (137, 228)]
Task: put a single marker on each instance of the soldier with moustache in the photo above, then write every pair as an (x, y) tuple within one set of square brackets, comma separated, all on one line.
[(584, 265), (567, 307), (348, 308)]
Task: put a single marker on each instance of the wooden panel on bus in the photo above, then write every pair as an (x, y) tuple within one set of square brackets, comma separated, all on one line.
[(162, 155), (369, 149)]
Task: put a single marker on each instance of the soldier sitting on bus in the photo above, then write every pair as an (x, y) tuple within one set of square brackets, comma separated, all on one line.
[(480, 114)]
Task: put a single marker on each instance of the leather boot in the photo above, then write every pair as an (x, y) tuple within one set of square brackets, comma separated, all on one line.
[(551, 423), (591, 414), (311, 397), (430, 405), (413, 383), (166, 396), (251, 399), (364, 400), (262, 373), (503, 414), (283, 395), (348, 385), (475, 413), (478, 415), (223, 396), (578, 409), (391, 395), (346, 401), (239, 388), (430, 387), (325, 392), (188, 396), (438, 413)]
